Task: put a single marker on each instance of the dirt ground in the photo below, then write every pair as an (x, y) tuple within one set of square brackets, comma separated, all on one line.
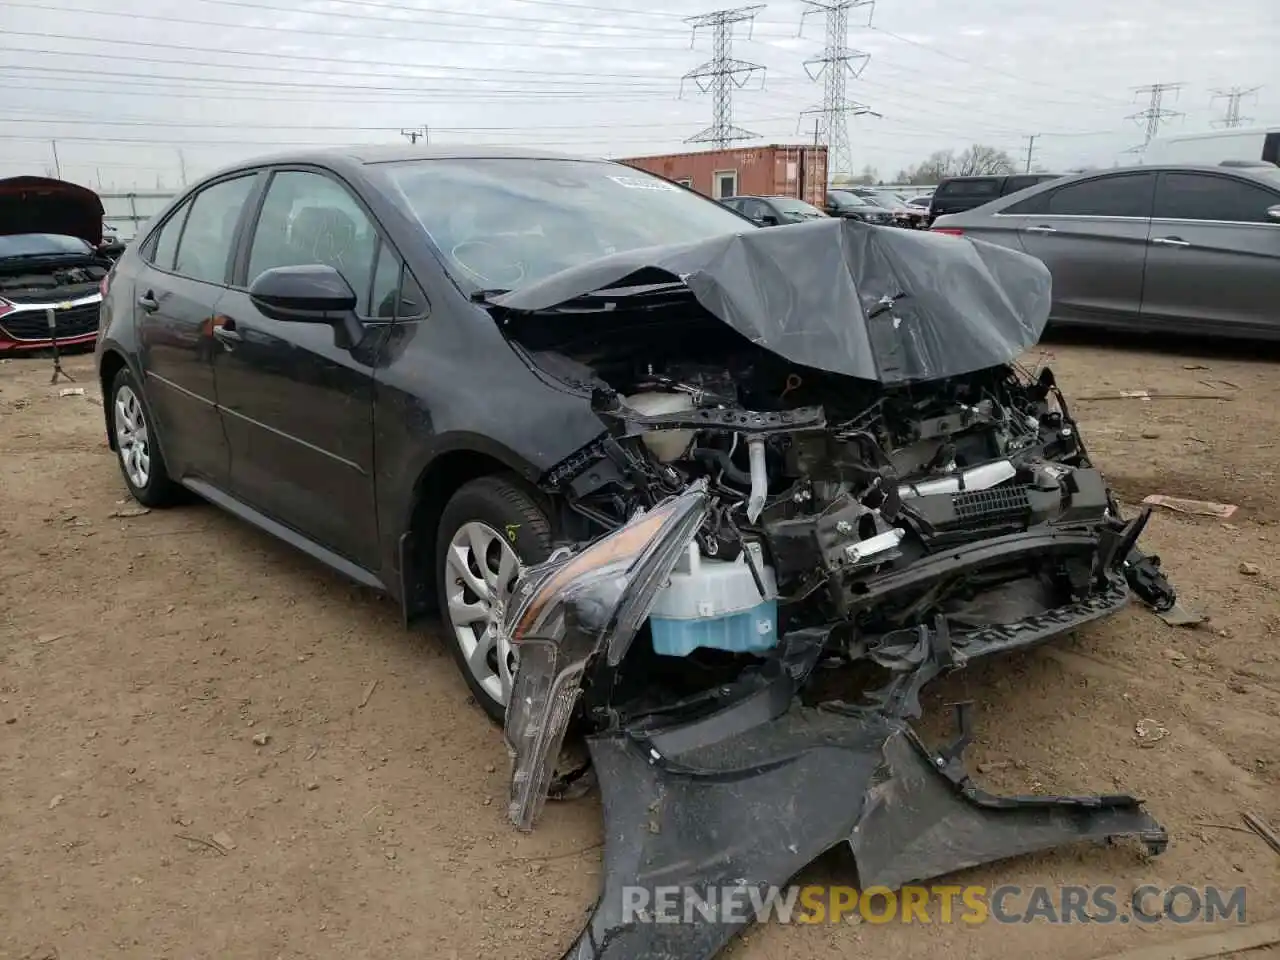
[(141, 655)]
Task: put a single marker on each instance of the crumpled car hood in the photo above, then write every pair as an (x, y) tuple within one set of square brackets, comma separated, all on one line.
[(876, 303), (43, 205)]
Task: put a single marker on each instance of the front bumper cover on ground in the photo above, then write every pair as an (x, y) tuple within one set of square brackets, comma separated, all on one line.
[(749, 796)]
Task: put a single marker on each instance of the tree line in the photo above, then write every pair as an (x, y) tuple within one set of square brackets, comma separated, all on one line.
[(977, 160)]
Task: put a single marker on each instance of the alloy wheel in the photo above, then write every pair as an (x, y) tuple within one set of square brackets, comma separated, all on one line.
[(132, 440), (482, 565)]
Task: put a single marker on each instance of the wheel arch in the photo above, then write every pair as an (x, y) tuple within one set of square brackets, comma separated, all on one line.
[(109, 366), (438, 480)]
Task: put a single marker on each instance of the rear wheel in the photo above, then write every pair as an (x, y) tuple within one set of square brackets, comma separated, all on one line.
[(140, 458), (489, 530)]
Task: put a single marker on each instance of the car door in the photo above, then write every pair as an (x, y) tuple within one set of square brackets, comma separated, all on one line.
[(1214, 254), (297, 398), (183, 275), (1092, 235)]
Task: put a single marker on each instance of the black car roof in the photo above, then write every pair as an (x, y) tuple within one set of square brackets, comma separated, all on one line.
[(358, 155)]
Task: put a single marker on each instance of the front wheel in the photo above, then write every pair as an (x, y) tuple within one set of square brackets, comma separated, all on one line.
[(489, 530), (140, 458)]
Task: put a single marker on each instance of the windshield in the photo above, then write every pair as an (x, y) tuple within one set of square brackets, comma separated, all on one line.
[(42, 245), (842, 199), (797, 207), (502, 223)]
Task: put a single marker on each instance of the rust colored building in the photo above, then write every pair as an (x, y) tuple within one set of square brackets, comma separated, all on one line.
[(779, 170)]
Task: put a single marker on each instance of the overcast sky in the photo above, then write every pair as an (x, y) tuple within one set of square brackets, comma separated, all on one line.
[(134, 90)]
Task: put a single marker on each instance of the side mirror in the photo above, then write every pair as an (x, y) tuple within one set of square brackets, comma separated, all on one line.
[(768, 220), (312, 293), (1274, 212)]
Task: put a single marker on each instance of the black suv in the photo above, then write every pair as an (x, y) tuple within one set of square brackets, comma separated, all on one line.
[(957, 194)]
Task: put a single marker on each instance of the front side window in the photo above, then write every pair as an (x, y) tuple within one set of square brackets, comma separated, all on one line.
[(308, 218), (204, 250), (1200, 196), (503, 223), (1125, 195)]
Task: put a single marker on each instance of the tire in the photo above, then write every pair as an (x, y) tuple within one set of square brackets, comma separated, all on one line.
[(141, 462), (501, 516)]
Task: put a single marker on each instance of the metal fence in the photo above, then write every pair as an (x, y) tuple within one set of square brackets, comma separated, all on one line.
[(127, 212)]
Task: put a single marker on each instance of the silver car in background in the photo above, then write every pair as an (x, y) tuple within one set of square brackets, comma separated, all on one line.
[(1184, 249)]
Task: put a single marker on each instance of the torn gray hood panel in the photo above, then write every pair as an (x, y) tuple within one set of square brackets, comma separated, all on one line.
[(877, 303)]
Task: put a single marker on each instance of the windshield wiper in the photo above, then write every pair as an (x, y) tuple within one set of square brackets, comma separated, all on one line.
[(487, 295)]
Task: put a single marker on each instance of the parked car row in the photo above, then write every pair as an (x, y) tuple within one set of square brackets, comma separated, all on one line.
[(868, 206), (1159, 248)]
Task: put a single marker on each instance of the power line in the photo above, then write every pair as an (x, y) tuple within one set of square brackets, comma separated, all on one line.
[(833, 67), (224, 51), (1155, 112), (990, 69), (525, 32), (323, 93), (1233, 98), (722, 74), (421, 17)]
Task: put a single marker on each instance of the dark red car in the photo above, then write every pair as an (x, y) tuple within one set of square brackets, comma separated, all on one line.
[(51, 261)]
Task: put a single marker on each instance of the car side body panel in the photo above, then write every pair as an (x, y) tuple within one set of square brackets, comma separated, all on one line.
[(1096, 262), (446, 384), (1150, 272)]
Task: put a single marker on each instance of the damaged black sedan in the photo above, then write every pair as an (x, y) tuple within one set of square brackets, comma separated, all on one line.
[(717, 501)]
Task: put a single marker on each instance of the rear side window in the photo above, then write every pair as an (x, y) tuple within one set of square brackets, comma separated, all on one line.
[(987, 187), (205, 249), (1199, 196), (1126, 195), (165, 245)]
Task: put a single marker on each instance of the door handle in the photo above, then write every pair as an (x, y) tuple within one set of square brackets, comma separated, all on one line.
[(1171, 241), (227, 333), (148, 302), (1041, 229)]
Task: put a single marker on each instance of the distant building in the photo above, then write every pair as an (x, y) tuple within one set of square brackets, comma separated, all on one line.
[(780, 170)]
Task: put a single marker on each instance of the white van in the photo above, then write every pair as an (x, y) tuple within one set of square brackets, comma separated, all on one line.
[(1216, 147)]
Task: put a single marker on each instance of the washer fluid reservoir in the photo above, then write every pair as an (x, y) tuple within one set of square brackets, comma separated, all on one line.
[(665, 445), (716, 604)]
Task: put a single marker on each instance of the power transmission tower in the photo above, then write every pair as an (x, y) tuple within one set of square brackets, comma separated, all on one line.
[(833, 67), (1155, 112), (413, 135), (1233, 98), (722, 73)]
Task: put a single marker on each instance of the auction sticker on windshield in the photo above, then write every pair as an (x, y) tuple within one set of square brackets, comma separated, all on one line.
[(643, 183)]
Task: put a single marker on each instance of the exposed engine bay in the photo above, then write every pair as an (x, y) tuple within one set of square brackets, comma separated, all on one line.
[(804, 507), (825, 488), (26, 283)]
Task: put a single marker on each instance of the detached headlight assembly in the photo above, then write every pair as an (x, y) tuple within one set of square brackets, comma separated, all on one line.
[(565, 613)]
